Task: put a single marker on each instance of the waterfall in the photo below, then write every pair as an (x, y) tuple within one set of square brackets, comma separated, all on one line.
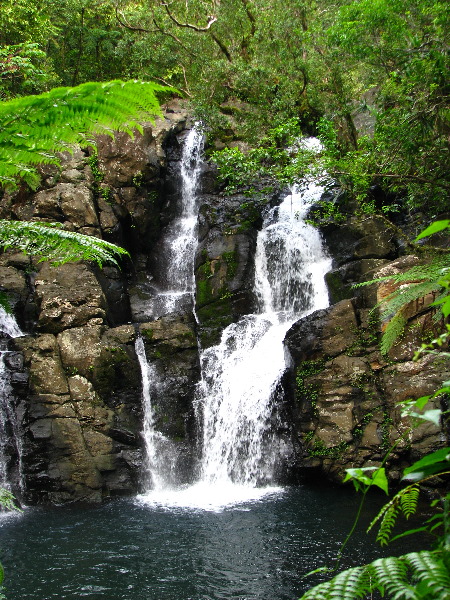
[(10, 439), (160, 455), (241, 374), (179, 246), (176, 250), (236, 397)]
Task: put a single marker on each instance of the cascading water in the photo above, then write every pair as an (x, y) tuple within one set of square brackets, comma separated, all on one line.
[(179, 247), (241, 374), (10, 440), (160, 455)]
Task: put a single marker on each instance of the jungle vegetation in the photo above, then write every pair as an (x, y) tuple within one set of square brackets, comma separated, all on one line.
[(368, 77)]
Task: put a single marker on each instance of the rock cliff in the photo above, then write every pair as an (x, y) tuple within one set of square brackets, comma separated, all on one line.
[(81, 409)]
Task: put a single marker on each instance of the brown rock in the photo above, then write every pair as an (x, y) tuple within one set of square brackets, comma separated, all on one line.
[(69, 296)]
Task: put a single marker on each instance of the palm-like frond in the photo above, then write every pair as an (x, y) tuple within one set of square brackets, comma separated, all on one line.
[(56, 245), (34, 128)]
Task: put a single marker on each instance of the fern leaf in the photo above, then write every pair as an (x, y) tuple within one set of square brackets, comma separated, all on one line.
[(56, 245), (431, 571), (409, 499), (387, 524), (390, 575), (393, 331), (351, 584), (405, 295), (34, 128)]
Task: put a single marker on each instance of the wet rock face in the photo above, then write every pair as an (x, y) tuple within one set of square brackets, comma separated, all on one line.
[(81, 408), (228, 228), (345, 394)]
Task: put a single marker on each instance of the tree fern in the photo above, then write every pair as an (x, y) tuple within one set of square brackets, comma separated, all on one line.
[(34, 128), (56, 245)]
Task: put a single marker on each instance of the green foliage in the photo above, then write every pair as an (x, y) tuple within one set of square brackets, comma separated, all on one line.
[(415, 576), (412, 284), (366, 477), (316, 447), (279, 155), (56, 245), (24, 69), (7, 500), (34, 128)]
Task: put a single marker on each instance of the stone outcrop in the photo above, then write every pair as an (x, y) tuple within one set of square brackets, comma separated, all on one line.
[(225, 258), (81, 409), (344, 392)]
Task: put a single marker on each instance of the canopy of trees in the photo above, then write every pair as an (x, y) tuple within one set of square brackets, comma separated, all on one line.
[(250, 65)]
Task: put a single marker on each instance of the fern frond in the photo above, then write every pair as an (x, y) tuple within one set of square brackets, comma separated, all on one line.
[(34, 128), (402, 296), (388, 523), (390, 575), (393, 331), (56, 245), (351, 584), (409, 499), (416, 576), (424, 272), (404, 500), (431, 573)]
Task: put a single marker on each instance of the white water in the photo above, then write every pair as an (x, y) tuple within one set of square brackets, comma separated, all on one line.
[(10, 439), (179, 246), (179, 242), (240, 376), (160, 455)]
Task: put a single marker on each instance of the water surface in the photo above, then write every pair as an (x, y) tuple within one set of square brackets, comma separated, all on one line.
[(137, 550)]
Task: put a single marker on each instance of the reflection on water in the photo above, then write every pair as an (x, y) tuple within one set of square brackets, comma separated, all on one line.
[(131, 550)]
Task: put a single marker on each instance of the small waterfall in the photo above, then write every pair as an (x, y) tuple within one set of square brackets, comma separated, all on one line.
[(160, 455), (241, 374), (179, 247), (10, 439), (179, 242)]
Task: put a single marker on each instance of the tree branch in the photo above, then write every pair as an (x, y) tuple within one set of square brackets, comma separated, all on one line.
[(121, 20), (212, 19), (251, 17), (222, 47)]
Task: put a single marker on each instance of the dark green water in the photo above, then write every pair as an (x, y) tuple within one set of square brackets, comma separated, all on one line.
[(125, 550)]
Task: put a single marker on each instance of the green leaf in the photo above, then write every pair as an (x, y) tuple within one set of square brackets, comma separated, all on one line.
[(380, 480), (434, 228), (432, 416), (409, 532), (430, 464), (56, 245), (360, 475)]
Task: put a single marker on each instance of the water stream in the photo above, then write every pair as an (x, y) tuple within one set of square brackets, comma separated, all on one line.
[(235, 401), (241, 374), (179, 244), (10, 437)]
